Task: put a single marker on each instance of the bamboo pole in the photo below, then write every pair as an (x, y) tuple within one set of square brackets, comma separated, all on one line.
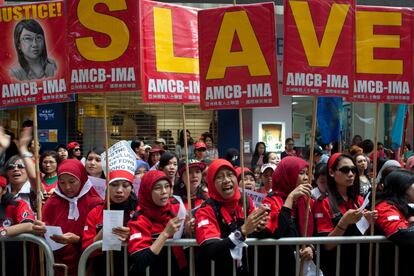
[(242, 162), (108, 199), (310, 170), (374, 183), (186, 164), (39, 188)]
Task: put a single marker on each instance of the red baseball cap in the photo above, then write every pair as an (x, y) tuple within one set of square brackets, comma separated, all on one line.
[(200, 146), (73, 145)]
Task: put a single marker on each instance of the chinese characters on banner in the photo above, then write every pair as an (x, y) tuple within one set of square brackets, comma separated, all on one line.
[(33, 57), (169, 53), (384, 55), (319, 47), (237, 47), (103, 45)]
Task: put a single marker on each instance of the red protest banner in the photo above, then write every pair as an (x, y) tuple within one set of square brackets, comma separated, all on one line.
[(169, 53), (103, 43), (319, 47), (237, 47), (33, 56), (384, 55)]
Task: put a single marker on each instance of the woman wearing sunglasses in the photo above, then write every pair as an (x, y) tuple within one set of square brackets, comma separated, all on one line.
[(338, 213), (19, 184)]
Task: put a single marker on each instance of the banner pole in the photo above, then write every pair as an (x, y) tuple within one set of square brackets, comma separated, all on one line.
[(310, 171), (374, 183), (242, 162), (108, 205), (37, 169), (186, 164), (39, 187)]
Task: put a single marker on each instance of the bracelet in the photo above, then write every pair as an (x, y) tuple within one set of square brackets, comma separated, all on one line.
[(340, 228), (26, 154)]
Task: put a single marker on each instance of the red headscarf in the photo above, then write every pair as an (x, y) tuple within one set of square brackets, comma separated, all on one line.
[(151, 210), (74, 168), (284, 181), (229, 204)]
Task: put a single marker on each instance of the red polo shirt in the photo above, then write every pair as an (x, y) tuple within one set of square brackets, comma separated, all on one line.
[(323, 213), (390, 219)]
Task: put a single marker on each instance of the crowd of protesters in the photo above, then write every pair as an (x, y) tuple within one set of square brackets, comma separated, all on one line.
[(222, 216)]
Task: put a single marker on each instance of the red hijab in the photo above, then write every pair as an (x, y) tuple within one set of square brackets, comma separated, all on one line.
[(151, 210), (74, 168), (229, 204), (284, 181)]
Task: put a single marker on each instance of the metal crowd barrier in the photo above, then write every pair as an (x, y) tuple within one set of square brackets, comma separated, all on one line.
[(316, 241), (24, 238)]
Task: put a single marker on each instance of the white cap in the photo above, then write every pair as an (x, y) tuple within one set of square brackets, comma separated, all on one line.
[(267, 166)]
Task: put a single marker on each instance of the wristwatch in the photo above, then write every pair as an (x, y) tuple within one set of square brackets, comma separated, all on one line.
[(3, 233), (239, 235)]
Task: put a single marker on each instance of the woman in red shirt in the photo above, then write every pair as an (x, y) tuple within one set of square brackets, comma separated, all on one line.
[(152, 224), (16, 218), (48, 166), (121, 198), (68, 208), (395, 220), (287, 202), (338, 213), (220, 225)]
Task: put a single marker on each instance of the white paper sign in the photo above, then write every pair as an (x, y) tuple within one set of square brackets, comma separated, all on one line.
[(181, 214), (99, 185), (111, 219), (121, 157), (50, 231), (255, 196), (362, 225)]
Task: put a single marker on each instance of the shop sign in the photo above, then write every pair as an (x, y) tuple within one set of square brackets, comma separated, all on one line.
[(319, 47), (384, 55), (237, 49), (103, 44), (34, 32), (169, 53)]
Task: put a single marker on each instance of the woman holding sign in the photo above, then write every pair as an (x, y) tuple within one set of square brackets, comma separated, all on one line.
[(30, 44), (152, 224), (338, 214), (287, 202), (68, 208), (121, 198)]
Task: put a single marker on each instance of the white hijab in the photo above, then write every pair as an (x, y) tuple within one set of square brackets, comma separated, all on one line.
[(73, 202)]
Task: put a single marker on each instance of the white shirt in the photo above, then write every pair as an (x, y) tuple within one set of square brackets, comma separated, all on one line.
[(23, 193)]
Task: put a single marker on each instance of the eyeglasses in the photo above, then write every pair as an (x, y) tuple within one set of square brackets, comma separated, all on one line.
[(31, 39), (223, 176), (346, 169), (14, 166), (290, 144), (76, 149)]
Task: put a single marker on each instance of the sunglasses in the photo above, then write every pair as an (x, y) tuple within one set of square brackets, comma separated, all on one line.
[(346, 169), (14, 166), (77, 149)]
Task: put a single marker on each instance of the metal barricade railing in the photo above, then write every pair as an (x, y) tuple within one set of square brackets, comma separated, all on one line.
[(256, 243), (24, 238)]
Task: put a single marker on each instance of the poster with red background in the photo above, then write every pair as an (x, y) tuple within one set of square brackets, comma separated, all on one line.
[(33, 57), (169, 53), (103, 44), (384, 55), (319, 47), (237, 47)]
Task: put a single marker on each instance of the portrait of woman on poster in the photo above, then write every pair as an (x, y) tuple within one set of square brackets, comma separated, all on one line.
[(30, 44)]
